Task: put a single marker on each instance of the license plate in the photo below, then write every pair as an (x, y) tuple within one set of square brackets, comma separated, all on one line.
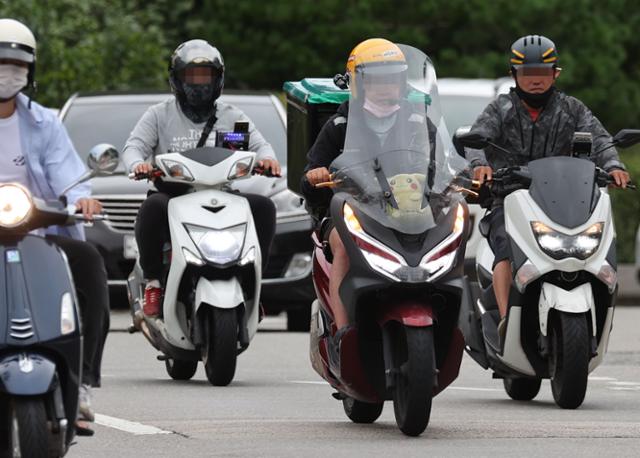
[(130, 247)]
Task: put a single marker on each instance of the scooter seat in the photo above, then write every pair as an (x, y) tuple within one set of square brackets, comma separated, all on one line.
[(490, 321)]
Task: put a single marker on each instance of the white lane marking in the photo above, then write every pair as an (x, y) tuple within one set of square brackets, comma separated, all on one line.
[(625, 388), (602, 379), (308, 382), (128, 426), (625, 383), (470, 388)]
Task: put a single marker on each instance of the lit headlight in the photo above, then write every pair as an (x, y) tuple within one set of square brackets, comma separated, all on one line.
[(67, 315), (559, 245), (240, 169), (15, 205), (218, 246), (177, 170)]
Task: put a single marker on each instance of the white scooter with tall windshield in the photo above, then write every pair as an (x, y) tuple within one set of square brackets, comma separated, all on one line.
[(213, 270), (559, 223)]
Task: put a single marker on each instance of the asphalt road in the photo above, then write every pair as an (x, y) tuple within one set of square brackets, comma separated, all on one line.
[(277, 406)]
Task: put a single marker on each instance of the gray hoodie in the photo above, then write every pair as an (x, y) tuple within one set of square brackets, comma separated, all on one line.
[(163, 129)]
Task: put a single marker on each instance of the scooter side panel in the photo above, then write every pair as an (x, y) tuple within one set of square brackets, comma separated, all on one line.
[(578, 300), (513, 355), (27, 374), (34, 275), (604, 341)]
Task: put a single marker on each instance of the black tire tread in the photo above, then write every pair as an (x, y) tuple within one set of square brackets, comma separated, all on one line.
[(32, 426), (180, 369), (223, 346), (522, 389), (569, 386)]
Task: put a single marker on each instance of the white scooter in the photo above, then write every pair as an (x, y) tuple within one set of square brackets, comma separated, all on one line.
[(560, 228), (212, 283)]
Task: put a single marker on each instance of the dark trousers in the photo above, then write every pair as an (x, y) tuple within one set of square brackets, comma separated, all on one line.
[(90, 278), (152, 229)]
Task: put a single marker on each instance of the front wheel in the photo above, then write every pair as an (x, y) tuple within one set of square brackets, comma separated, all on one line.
[(522, 389), (413, 390), (27, 431), (220, 349), (362, 412), (569, 359)]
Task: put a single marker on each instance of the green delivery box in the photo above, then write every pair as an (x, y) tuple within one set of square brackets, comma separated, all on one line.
[(310, 103)]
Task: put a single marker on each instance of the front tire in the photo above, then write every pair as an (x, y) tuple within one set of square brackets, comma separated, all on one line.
[(413, 390), (362, 412), (28, 432), (220, 350), (522, 389), (569, 359), (180, 369)]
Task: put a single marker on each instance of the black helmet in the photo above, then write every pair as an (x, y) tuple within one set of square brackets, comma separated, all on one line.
[(196, 100), (534, 51), (18, 43)]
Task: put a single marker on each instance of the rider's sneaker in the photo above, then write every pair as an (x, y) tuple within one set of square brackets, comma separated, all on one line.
[(152, 301), (85, 412)]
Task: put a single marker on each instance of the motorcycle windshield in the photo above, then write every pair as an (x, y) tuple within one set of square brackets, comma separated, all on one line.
[(398, 160)]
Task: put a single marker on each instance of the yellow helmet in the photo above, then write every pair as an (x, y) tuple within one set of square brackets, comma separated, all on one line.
[(372, 53)]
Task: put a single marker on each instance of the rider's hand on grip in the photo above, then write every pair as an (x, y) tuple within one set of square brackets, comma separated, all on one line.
[(482, 174), (318, 175)]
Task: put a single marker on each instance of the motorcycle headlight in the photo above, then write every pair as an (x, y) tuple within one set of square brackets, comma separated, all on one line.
[(177, 170), (218, 246), (15, 205), (67, 314), (560, 246)]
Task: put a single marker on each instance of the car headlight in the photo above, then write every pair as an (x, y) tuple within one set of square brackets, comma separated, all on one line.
[(15, 205), (67, 314), (560, 246), (288, 203), (218, 246), (177, 170)]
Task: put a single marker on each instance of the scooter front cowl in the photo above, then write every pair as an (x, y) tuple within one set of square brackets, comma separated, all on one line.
[(26, 374)]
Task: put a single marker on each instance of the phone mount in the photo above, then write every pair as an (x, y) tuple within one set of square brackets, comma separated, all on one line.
[(582, 144)]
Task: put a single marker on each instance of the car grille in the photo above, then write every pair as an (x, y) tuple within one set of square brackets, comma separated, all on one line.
[(121, 211)]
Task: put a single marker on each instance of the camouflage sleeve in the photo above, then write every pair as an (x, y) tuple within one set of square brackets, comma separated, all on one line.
[(489, 123), (608, 158)]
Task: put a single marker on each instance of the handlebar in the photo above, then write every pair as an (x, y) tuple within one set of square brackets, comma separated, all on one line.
[(264, 172), (153, 174)]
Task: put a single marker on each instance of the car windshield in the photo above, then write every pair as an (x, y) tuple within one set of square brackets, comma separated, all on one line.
[(398, 167), (462, 110), (91, 123)]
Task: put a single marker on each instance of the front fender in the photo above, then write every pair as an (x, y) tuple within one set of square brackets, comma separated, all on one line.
[(414, 315), (578, 300), (26, 374), (225, 294)]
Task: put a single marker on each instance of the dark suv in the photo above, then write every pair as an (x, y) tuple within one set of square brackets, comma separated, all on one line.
[(110, 117)]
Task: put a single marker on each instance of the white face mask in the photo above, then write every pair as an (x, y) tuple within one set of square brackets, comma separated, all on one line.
[(378, 110), (12, 80)]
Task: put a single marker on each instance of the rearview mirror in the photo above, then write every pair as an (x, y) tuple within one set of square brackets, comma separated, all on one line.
[(103, 159), (626, 138), (474, 140)]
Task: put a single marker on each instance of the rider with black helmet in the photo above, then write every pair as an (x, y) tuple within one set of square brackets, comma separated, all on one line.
[(196, 77), (533, 121)]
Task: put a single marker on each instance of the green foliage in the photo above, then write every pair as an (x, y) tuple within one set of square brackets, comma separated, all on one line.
[(89, 45)]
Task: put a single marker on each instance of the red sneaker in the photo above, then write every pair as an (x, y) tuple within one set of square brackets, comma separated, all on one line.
[(152, 301)]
